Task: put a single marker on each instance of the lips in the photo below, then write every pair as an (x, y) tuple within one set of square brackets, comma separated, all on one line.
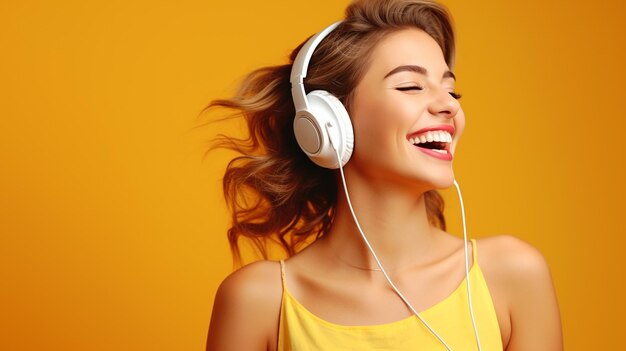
[(445, 155), (434, 140)]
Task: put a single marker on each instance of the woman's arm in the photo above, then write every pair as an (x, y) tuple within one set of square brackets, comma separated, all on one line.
[(522, 277), (246, 309)]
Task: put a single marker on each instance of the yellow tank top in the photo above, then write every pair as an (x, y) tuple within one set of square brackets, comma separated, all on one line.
[(301, 330)]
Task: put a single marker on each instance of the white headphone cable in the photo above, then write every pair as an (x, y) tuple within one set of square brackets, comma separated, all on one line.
[(393, 286), (467, 278), (369, 246)]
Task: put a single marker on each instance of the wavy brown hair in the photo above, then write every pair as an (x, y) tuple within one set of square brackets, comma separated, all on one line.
[(275, 193)]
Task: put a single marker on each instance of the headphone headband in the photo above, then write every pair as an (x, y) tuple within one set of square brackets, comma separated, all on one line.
[(301, 65)]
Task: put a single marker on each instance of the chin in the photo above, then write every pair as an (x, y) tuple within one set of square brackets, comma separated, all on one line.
[(445, 184), (441, 181), (425, 182)]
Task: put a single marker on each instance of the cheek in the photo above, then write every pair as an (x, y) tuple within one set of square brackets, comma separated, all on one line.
[(377, 115), (364, 114)]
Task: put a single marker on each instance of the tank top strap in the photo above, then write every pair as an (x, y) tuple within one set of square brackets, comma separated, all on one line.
[(282, 273), (474, 252)]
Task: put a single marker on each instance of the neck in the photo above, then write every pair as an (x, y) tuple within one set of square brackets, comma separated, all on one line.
[(394, 221)]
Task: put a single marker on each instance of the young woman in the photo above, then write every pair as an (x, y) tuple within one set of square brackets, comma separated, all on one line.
[(389, 64)]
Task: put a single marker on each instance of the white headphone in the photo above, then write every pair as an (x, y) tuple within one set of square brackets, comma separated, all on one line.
[(321, 120)]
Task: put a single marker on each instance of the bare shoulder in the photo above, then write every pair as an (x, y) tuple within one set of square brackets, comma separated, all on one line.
[(246, 308), (511, 258), (520, 283), (259, 280), (512, 267)]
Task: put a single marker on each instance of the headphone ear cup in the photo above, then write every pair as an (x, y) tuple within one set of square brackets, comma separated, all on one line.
[(324, 124)]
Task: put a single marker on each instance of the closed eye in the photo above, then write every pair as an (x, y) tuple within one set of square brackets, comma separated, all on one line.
[(415, 87), (455, 95)]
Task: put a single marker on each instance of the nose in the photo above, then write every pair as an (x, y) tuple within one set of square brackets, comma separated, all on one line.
[(443, 104)]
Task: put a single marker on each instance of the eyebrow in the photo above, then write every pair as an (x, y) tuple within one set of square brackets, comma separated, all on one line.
[(417, 69)]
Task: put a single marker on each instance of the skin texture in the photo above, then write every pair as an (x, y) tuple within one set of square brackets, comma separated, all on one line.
[(387, 177)]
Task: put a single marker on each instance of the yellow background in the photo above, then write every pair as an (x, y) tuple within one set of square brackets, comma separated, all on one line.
[(113, 229)]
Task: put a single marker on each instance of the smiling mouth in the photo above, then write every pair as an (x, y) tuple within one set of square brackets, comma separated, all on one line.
[(436, 140)]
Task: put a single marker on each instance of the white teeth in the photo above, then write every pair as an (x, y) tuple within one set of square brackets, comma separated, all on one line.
[(440, 151), (437, 136)]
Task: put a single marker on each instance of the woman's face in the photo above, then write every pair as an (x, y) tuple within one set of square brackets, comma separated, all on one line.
[(407, 91)]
